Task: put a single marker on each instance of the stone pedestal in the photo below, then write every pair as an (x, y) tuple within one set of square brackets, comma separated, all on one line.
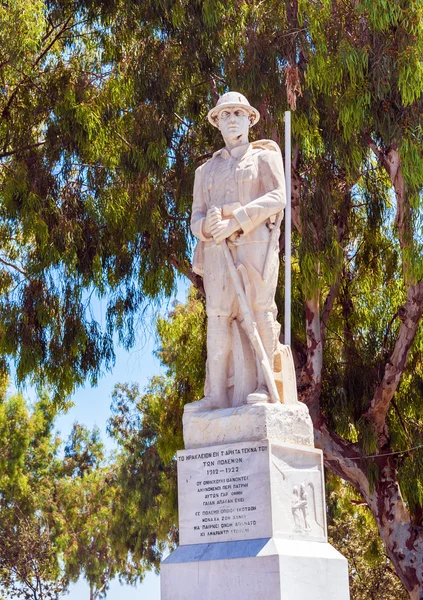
[(269, 569), (252, 516)]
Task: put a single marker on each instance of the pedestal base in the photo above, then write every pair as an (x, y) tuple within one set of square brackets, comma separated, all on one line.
[(286, 423), (252, 517), (274, 569)]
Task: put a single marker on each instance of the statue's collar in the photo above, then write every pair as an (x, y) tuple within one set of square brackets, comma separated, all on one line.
[(237, 152)]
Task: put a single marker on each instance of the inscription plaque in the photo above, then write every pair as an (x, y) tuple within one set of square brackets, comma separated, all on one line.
[(224, 493)]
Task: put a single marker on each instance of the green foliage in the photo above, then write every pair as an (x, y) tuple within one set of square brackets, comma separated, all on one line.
[(182, 351), (83, 452), (148, 431), (74, 213), (56, 507), (103, 122), (144, 508), (82, 518), (353, 531), (29, 562)]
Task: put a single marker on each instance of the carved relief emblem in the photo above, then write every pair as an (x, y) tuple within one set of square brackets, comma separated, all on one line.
[(299, 507)]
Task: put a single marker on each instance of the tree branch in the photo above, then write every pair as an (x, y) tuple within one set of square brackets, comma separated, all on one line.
[(54, 40), (98, 592), (410, 315), (396, 527), (391, 161), (123, 139), (377, 151), (12, 266), (296, 189), (342, 458), (203, 157), (5, 112), (186, 270), (213, 90), (23, 149), (311, 376), (180, 119), (328, 305), (385, 338)]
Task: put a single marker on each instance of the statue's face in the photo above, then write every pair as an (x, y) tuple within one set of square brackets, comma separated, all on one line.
[(234, 122)]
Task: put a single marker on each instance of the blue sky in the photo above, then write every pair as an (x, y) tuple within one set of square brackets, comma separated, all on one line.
[(92, 407)]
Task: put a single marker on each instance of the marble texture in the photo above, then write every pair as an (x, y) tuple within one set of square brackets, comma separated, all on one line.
[(251, 490), (297, 492), (287, 423), (274, 569)]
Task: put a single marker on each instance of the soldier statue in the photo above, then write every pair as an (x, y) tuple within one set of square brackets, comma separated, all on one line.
[(238, 198)]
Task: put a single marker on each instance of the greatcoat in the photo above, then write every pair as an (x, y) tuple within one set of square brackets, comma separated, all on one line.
[(248, 184)]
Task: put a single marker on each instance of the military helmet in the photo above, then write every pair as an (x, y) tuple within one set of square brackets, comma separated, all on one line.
[(232, 100)]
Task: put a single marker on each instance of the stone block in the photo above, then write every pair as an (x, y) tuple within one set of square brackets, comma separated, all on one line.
[(274, 569), (286, 423), (251, 490)]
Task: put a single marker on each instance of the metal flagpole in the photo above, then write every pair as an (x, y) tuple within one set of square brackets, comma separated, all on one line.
[(287, 322)]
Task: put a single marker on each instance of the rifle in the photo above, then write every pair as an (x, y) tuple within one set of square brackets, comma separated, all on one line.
[(250, 326), (273, 245)]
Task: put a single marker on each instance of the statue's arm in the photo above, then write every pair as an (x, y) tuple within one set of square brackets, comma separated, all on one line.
[(199, 208), (271, 174)]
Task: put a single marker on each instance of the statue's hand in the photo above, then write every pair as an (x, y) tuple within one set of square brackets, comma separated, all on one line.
[(214, 215), (223, 229)]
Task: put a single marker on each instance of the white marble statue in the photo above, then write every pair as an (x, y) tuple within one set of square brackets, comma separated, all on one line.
[(238, 195)]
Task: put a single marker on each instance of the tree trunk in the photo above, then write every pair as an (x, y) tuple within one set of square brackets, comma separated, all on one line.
[(410, 315), (311, 381), (403, 540)]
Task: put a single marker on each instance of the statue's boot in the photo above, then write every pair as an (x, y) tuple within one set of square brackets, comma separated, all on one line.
[(218, 349), (266, 328)]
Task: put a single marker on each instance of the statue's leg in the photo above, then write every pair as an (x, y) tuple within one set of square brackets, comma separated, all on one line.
[(218, 350), (252, 256), (220, 300), (265, 322)]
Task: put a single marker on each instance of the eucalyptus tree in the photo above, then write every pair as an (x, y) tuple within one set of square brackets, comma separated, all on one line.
[(352, 72), (56, 507), (29, 561), (68, 232)]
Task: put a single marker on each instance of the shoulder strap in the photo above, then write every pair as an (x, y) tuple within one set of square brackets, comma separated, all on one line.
[(266, 145)]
